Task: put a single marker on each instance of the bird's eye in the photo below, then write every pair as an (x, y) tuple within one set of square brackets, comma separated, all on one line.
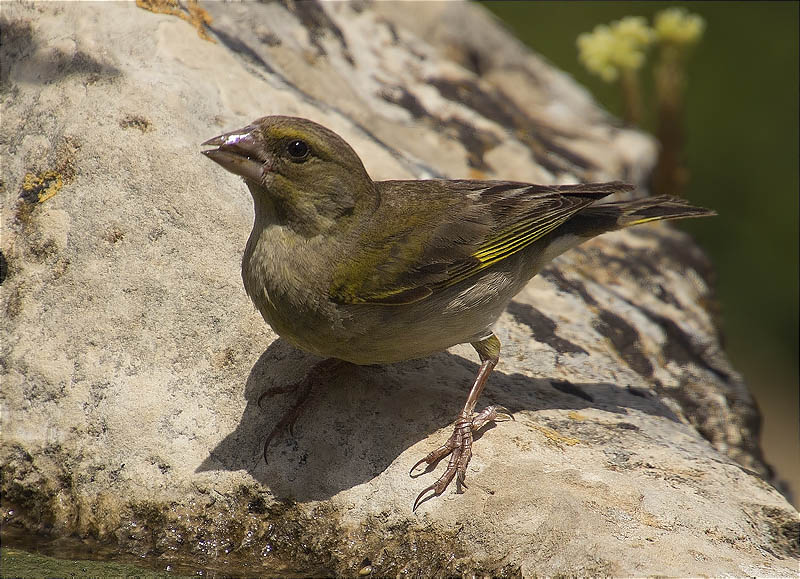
[(298, 150)]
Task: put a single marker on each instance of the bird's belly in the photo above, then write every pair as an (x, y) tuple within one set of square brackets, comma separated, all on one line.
[(378, 334), (374, 334), (395, 342)]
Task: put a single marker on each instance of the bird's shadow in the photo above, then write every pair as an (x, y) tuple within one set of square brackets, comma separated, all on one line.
[(362, 418)]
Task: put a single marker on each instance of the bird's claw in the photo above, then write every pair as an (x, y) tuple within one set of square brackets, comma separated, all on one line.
[(416, 464), (274, 391), (459, 447), (303, 389), (286, 422), (502, 411), (290, 416), (425, 491)]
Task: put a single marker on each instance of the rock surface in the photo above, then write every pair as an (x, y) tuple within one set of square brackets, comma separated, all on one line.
[(132, 359)]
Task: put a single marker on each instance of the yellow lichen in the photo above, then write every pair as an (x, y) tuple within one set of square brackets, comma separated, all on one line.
[(189, 11), (41, 187), (554, 436)]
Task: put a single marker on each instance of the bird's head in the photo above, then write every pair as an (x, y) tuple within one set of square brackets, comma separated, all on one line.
[(300, 174)]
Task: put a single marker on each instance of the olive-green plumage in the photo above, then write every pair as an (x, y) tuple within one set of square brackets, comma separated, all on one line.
[(372, 272)]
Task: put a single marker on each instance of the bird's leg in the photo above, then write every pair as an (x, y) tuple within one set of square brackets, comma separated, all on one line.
[(459, 445), (303, 389)]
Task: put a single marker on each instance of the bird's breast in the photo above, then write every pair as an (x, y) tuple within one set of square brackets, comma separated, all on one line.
[(285, 276)]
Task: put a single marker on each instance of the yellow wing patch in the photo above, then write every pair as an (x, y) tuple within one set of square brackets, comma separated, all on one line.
[(510, 241)]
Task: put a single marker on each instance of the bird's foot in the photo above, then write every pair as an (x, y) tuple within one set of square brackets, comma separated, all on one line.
[(303, 389), (290, 416), (459, 447)]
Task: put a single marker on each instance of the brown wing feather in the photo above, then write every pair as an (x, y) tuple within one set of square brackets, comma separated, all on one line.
[(428, 235)]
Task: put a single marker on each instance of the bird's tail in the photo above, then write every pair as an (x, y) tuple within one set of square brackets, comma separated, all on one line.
[(659, 208), (619, 214)]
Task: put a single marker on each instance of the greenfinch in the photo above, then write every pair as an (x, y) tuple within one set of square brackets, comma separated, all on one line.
[(374, 272)]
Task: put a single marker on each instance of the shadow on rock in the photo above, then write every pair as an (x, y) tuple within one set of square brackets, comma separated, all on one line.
[(357, 423)]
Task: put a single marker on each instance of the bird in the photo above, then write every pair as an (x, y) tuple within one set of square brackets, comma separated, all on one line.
[(376, 272)]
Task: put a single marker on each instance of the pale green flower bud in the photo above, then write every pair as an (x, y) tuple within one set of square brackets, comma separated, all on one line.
[(619, 46), (677, 26)]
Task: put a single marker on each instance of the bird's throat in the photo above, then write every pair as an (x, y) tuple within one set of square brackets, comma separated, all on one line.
[(305, 215)]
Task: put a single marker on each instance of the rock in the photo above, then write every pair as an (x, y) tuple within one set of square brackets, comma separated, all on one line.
[(132, 359)]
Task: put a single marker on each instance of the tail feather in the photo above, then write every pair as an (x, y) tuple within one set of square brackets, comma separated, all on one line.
[(619, 214), (596, 219), (659, 208)]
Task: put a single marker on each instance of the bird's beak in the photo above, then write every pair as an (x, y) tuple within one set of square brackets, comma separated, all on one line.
[(240, 152)]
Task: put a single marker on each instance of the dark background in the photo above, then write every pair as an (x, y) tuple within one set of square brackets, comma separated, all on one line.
[(742, 154)]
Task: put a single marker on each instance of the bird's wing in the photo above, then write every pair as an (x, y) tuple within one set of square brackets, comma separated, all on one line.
[(428, 235)]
